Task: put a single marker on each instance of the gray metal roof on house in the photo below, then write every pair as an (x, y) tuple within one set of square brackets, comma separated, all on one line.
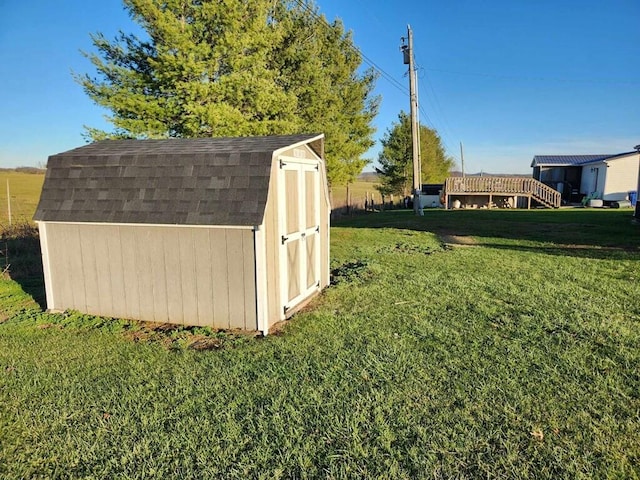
[(205, 181), (572, 160)]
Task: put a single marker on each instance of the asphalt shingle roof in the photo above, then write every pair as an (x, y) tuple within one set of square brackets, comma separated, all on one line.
[(208, 181)]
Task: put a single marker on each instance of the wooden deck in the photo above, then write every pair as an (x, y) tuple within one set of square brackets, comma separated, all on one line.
[(501, 188)]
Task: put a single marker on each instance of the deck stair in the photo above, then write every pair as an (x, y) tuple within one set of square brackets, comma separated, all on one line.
[(493, 187)]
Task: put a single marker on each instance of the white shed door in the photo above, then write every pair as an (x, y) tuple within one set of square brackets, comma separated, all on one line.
[(299, 205)]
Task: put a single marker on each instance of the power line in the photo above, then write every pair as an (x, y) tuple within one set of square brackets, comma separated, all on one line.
[(540, 79), (436, 103), (392, 80), (447, 147), (387, 76), (445, 132)]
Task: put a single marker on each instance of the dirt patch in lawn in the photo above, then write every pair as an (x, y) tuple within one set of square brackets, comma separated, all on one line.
[(174, 336), (458, 240)]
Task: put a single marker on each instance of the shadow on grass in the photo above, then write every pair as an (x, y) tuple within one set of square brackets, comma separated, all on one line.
[(578, 251), (585, 233), (22, 260)]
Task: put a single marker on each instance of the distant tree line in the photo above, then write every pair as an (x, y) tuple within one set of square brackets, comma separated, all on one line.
[(34, 170)]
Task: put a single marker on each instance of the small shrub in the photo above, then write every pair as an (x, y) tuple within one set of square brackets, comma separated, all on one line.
[(19, 231), (20, 250)]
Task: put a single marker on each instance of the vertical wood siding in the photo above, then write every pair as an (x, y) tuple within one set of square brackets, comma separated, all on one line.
[(190, 276), (272, 244), (325, 229), (130, 257)]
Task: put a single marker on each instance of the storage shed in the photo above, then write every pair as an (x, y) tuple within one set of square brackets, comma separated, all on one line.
[(220, 232)]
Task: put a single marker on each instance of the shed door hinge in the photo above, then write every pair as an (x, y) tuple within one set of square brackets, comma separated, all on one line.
[(284, 239)]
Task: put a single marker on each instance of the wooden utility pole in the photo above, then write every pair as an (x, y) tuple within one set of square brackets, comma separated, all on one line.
[(637, 205), (407, 50), (462, 159), (9, 202)]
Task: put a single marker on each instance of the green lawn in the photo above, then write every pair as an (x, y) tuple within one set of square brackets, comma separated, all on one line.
[(516, 355)]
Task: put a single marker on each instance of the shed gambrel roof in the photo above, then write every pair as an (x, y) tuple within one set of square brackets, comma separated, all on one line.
[(572, 160), (204, 181)]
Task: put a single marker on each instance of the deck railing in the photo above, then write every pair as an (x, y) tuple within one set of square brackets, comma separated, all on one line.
[(504, 185)]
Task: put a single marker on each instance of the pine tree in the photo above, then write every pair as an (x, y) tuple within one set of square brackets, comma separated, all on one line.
[(235, 68), (396, 158)]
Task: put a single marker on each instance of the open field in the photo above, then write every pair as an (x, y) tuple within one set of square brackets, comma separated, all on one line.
[(25, 191), (359, 191), (461, 344)]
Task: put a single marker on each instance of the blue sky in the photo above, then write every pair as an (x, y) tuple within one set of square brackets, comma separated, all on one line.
[(510, 79)]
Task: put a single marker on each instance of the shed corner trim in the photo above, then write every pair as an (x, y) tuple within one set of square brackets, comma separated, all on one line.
[(46, 264), (260, 256)]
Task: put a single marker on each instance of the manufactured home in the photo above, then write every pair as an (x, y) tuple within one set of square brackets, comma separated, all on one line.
[(607, 177)]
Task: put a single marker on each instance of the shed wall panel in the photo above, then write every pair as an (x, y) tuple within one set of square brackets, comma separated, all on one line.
[(159, 271), (69, 250), (220, 271), (60, 262), (118, 289), (203, 276), (240, 249), (235, 277), (145, 274), (188, 278), (173, 275), (131, 277), (198, 276), (104, 277), (89, 271)]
